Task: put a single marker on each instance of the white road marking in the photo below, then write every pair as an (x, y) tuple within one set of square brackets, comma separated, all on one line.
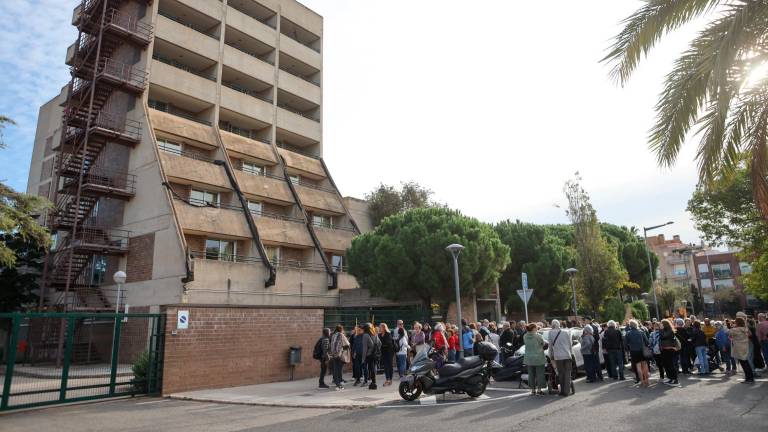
[(502, 389), (470, 401), (429, 400)]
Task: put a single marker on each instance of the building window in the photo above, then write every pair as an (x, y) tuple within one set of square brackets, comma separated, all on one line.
[(99, 269), (745, 268), (337, 261), (295, 179), (253, 169), (222, 250), (706, 283), (273, 254), (169, 146), (158, 105), (322, 221), (254, 207), (721, 270), (680, 270), (204, 198), (723, 283)]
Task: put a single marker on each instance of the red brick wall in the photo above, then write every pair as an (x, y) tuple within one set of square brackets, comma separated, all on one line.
[(227, 347), (141, 253)]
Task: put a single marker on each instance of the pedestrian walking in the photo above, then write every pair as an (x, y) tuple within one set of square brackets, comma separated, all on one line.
[(655, 341), (535, 359), (402, 352), (669, 344), (740, 348), (321, 353), (388, 350), (339, 355), (613, 343), (591, 362), (640, 353), (561, 351)]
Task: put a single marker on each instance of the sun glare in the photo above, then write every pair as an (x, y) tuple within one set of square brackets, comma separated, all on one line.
[(756, 75)]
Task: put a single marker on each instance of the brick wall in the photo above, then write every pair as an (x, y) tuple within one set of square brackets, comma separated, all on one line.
[(226, 347), (467, 310), (195, 243), (141, 252)]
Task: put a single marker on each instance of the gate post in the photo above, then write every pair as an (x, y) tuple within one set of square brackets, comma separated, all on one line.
[(67, 357), (115, 352), (15, 324)]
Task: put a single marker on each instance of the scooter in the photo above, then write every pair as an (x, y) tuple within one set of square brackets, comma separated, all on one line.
[(511, 367), (468, 375)]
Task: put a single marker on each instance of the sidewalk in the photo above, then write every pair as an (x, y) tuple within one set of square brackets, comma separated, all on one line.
[(297, 394)]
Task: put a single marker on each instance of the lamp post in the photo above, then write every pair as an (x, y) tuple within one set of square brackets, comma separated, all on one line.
[(571, 273), (650, 267), (119, 278), (455, 249)]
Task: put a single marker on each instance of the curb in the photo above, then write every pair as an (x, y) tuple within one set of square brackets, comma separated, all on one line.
[(351, 406)]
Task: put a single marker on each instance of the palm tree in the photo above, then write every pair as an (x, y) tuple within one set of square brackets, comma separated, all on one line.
[(718, 85)]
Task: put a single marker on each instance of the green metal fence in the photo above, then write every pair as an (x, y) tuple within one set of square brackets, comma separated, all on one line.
[(52, 358), (349, 317)]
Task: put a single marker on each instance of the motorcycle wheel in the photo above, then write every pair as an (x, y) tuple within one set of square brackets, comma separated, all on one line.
[(477, 392), (408, 393)]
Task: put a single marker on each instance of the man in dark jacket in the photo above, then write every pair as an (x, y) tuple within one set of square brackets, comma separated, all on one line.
[(325, 345), (596, 346), (507, 336), (613, 344)]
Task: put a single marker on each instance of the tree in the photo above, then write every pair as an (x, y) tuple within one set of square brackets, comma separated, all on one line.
[(543, 257), (640, 310), (668, 296), (17, 215), (715, 85), (599, 271), (18, 282), (631, 252), (615, 310), (386, 200), (405, 256)]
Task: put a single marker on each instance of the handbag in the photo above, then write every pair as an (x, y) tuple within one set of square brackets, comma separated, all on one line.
[(647, 352)]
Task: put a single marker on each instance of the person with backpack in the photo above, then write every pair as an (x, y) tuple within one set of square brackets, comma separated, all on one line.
[(339, 354), (371, 351), (387, 352), (321, 353)]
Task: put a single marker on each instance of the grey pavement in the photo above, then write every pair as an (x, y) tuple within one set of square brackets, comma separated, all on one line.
[(702, 405)]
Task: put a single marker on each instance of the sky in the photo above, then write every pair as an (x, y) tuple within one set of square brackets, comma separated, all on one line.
[(492, 104)]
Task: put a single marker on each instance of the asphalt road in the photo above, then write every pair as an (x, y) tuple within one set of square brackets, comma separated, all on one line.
[(718, 404)]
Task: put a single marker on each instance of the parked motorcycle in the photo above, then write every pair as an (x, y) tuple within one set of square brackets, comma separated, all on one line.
[(511, 368), (468, 375)]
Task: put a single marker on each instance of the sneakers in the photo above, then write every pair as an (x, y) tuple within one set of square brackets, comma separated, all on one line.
[(339, 387), (357, 383), (372, 387), (323, 386)]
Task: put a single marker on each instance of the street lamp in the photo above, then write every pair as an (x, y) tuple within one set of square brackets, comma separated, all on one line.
[(571, 273), (455, 249), (650, 267), (119, 278)]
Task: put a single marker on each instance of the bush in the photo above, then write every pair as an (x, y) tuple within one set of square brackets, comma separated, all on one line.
[(614, 310), (140, 370), (640, 310)]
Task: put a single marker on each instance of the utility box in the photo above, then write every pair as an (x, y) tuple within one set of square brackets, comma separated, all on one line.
[(294, 356)]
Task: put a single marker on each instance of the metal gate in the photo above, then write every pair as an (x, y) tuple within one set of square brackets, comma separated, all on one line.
[(52, 358), (351, 316)]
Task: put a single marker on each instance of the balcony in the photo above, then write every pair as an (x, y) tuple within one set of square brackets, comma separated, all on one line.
[(225, 281), (212, 221), (117, 23), (204, 11), (181, 126), (302, 126), (249, 64), (176, 33), (347, 281), (189, 168), (300, 162), (248, 25), (247, 105), (101, 240), (248, 147), (300, 52), (181, 80), (274, 188), (335, 238), (102, 182), (284, 230), (324, 201), (107, 125), (299, 86)]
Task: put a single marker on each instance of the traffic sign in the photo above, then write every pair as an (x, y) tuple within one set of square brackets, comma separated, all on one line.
[(182, 320), (525, 295), (525, 281)]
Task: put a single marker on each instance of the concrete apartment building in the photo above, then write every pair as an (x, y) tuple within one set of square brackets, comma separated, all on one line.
[(187, 151), (675, 260), (716, 270)]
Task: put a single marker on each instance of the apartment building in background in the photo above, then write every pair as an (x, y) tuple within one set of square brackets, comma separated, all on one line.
[(187, 151), (675, 261), (716, 270)]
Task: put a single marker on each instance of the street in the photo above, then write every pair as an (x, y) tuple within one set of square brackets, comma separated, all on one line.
[(714, 403)]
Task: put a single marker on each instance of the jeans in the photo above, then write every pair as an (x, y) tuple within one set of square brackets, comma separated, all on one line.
[(701, 354), (336, 365), (370, 362), (730, 362), (564, 376), (536, 378), (659, 364), (451, 356), (387, 360), (401, 364), (468, 352), (685, 357), (591, 365), (359, 371), (748, 373), (616, 364), (676, 361), (323, 372), (666, 357)]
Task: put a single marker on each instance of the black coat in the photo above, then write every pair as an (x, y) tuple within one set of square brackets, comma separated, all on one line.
[(612, 339), (387, 343)]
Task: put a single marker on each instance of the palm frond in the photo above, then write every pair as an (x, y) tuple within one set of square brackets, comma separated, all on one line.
[(643, 29), (758, 138)]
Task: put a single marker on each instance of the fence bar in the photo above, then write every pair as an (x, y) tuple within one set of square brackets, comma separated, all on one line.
[(67, 358), (115, 351), (15, 325)]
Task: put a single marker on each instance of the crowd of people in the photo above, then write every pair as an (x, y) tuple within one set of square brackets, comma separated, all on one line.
[(669, 347)]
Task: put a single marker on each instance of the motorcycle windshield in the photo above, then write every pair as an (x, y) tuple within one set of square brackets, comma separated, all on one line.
[(420, 357)]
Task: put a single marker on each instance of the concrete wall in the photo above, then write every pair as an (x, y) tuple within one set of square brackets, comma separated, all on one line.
[(358, 209), (225, 347)]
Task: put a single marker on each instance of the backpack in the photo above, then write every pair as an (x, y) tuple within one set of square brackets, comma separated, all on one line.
[(317, 353)]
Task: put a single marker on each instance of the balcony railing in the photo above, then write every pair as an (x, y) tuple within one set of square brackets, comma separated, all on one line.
[(107, 178), (306, 44), (100, 236), (262, 20), (315, 186), (178, 20), (252, 54), (124, 72), (297, 112), (246, 133), (129, 23), (169, 110), (217, 256), (192, 155), (277, 216), (296, 150), (273, 176), (333, 227), (297, 264), (183, 67), (246, 91), (309, 80)]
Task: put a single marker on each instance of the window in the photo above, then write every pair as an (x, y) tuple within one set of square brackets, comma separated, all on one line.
[(254, 207), (337, 261), (723, 283), (99, 269), (721, 270), (706, 283), (273, 254), (253, 169), (158, 105), (169, 146), (745, 268), (322, 221), (703, 268), (295, 179), (679, 270), (222, 250), (204, 198)]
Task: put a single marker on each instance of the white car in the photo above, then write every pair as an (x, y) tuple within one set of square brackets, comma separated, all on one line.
[(575, 341)]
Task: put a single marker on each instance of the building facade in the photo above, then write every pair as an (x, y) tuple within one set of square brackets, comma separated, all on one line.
[(187, 151), (675, 261), (717, 270)]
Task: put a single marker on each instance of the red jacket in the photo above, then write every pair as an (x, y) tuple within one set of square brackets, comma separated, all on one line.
[(453, 342)]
